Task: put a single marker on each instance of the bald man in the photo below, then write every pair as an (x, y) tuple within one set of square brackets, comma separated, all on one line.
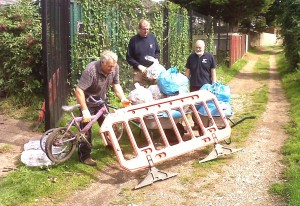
[(200, 68)]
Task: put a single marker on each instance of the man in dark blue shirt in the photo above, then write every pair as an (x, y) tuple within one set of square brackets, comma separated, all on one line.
[(141, 45), (200, 68)]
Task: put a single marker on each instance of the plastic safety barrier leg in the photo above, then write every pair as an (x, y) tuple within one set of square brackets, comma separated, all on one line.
[(154, 175)]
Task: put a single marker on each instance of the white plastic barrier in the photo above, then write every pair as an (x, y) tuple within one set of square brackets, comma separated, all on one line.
[(186, 104)]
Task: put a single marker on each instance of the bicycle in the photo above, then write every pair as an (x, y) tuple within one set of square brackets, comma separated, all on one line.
[(62, 142)]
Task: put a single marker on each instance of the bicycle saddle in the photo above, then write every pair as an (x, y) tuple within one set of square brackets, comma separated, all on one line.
[(69, 108)]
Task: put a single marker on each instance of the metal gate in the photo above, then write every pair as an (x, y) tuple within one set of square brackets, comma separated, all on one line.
[(56, 57)]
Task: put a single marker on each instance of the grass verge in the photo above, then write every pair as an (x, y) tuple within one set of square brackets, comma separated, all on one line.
[(291, 150)]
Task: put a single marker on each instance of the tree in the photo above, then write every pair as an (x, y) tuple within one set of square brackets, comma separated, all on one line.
[(231, 11), (288, 18)]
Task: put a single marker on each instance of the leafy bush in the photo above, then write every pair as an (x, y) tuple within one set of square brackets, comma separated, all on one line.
[(20, 54), (288, 19), (110, 25)]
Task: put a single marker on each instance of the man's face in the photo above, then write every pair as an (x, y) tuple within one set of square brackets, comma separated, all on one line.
[(199, 48), (144, 30), (109, 66)]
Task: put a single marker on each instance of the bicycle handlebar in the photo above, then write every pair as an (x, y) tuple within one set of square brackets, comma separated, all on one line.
[(93, 100)]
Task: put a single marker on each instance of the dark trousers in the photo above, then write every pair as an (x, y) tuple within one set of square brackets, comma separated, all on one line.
[(192, 89), (84, 151)]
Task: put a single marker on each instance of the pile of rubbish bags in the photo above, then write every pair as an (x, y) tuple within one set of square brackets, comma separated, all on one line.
[(169, 83)]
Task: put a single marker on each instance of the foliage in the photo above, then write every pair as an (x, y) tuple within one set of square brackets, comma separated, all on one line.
[(231, 11), (210, 45), (178, 36), (291, 150), (110, 25), (288, 18), (20, 54)]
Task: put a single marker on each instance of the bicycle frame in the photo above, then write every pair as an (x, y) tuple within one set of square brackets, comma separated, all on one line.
[(76, 120)]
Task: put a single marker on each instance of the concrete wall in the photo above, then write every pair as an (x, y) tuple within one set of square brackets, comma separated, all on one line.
[(263, 39)]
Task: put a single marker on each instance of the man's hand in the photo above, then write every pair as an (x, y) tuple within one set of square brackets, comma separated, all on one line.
[(86, 115), (142, 68), (125, 102)]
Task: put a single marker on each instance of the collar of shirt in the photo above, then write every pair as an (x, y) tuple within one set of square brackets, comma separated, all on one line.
[(201, 55)]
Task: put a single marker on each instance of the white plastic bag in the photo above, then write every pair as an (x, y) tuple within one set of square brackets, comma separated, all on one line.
[(140, 95), (33, 155), (156, 93), (155, 69)]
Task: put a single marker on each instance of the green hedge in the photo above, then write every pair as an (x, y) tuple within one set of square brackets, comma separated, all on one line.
[(20, 54)]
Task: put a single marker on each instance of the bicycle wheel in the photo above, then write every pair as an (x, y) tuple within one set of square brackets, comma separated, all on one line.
[(44, 138), (60, 145), (118, 130)]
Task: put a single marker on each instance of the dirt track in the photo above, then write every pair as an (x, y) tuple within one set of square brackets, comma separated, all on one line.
[(14, 133)]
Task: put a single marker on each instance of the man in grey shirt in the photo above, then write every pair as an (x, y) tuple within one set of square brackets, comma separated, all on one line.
[(95, 81)]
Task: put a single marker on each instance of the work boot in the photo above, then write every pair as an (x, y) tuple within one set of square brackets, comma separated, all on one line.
[(90, 162)]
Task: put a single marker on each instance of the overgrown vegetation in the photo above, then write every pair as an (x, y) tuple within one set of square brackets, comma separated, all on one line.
[(111, 25), (232, 11), (287, 15), (20, 54), (291, 150)]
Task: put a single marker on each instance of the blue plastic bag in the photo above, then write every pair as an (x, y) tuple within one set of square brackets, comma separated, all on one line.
[(224, 106), (171, 82), (221, 91)]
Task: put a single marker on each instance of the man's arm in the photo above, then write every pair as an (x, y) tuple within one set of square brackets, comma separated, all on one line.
[(213, 75), (188, 73), (119, 91), (81, 100), (129, 54), (157, 50), (131, 60)]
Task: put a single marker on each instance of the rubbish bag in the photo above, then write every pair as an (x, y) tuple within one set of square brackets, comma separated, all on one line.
[(155, 69), (140, 95), (33, 155), (221, 91), (224, 106), (156, 93), (172, 82)]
